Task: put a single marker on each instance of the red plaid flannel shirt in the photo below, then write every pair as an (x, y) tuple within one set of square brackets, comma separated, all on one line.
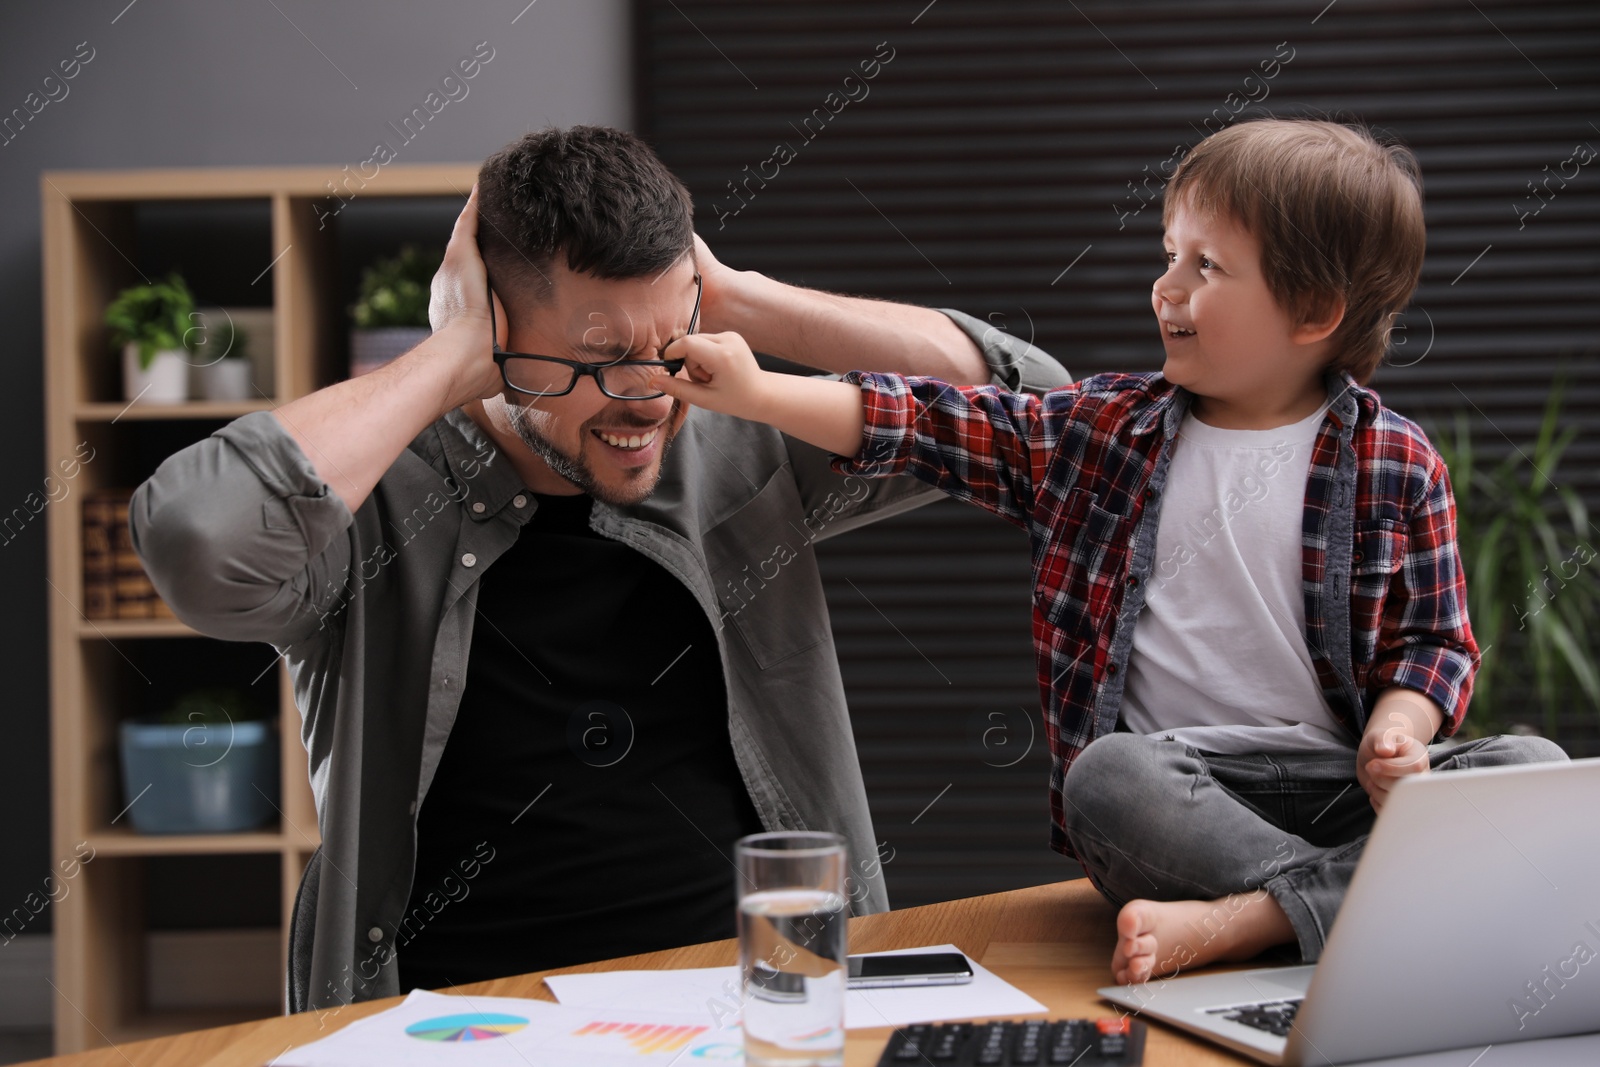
[(1385, 597)]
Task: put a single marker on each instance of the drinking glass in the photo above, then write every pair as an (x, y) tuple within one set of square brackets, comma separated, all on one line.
[(792, 947)]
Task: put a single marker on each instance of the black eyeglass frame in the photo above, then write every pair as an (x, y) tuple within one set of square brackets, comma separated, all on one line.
[(581, 368)]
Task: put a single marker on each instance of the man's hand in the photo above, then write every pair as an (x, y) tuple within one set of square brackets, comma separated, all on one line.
[(831, 332), (722, 375), (721, 289), (458, 304), (1395, 743)]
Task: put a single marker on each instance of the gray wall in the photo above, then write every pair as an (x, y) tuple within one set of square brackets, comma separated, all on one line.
[(185, 83)]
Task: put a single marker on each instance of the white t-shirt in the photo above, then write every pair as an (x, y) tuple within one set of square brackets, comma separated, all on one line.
[(1219, 655)]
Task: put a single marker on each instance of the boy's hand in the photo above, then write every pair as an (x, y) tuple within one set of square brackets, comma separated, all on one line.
[(1389, 751), (721, 374)]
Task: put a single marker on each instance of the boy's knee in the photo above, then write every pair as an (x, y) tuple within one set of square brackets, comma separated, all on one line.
[(1115, 775), (1106, 761), (1504, 750), (1520, 749)]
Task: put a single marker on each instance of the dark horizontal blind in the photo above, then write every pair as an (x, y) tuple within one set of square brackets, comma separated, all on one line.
[(1006, 160)]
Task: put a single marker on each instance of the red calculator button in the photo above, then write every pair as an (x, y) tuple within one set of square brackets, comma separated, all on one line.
[(1114, 1026)]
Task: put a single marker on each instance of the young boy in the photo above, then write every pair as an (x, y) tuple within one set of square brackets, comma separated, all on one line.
[(1284, 543)]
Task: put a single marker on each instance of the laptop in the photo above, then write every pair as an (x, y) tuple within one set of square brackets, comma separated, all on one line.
[(1473, 919)]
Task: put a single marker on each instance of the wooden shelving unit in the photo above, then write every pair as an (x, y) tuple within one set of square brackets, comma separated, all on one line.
[(91, 250)]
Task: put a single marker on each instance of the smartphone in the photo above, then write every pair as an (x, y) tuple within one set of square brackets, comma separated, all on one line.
[(909, 969)]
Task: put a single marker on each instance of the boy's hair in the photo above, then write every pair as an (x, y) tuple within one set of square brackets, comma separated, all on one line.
[(598, 197), (1337, 212)]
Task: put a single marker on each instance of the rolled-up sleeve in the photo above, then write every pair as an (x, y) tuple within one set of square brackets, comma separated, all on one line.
[(1426, 641), (240, 535)]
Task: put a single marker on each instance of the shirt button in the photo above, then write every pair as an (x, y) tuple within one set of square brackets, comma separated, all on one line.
[(519, 501), (1149, 494), (1355, 557), (1133, 580), (479, 507), (375, 934), (469, 560), (1111, 668)]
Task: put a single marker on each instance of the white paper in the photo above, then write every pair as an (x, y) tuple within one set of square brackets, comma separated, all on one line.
[(712, 995), (430, 1029)]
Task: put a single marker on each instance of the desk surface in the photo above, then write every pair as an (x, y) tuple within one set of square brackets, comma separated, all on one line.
[(1052, 941)]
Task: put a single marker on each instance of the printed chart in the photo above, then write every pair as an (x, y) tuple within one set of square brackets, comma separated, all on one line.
[(472, 1026), (429, 1029)]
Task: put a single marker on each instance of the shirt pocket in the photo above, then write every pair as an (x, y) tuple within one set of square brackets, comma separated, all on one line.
[(1378, 552), (1075, 573), (764, 574)]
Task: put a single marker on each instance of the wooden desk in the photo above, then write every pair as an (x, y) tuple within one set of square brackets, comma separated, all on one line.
[(1053, 941)]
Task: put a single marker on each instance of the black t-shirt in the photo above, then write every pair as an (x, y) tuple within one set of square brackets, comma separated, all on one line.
[(587, 801)]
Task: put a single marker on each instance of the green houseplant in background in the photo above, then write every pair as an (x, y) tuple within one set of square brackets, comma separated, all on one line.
[(149, 323), (390, 317), (1533, 576)]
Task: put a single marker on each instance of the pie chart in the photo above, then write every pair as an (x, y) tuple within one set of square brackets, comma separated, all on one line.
[(470, 1026)]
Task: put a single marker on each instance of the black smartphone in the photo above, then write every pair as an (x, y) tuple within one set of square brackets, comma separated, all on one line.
[(909, 969)]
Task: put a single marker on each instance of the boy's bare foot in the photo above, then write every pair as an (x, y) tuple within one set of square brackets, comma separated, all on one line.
[(1158, 938)]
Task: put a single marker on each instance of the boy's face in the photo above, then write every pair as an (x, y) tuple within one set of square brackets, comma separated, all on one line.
[(1241, 354)]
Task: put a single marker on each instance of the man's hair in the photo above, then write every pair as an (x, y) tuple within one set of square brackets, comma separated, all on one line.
[(598, 197), (1338, 215)]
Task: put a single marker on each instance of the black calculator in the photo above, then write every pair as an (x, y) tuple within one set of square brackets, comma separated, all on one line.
[(1034, 1042)]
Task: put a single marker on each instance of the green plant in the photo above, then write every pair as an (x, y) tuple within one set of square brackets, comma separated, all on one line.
[(217, 340), (211, 706), (1532, 594), (155, 316), (394, 291)]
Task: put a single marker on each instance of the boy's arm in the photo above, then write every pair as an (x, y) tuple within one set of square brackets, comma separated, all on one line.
[(1426, 654), (722, 375), (1425, 641), (976, 443)]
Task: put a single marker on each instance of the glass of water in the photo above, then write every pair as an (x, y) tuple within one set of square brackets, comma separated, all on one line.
[(792, 947)]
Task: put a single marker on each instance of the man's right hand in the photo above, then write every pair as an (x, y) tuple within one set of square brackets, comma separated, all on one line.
[(458, 307), (353, 430)]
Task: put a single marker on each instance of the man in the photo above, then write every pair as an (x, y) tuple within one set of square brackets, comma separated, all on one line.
[(556, 644)]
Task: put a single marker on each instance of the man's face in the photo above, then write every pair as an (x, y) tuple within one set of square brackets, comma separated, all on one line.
[(1227, 340), (611, 449)]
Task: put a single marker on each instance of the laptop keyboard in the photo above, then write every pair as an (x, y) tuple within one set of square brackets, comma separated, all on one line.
[(1018, 1043), (1273, 1016)]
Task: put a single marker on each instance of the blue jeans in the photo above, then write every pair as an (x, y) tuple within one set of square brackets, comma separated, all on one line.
[(1163, 820)]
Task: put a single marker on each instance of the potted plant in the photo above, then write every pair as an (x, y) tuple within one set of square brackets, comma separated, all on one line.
[(391, 315), (209, 764), (1533, 590), (221, 355), (148, 323)]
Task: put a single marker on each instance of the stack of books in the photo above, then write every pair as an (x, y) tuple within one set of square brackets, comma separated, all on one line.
[(115, 585)]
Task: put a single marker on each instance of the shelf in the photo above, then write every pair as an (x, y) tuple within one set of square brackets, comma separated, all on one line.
[(258, 239), (193, 409), (116, 841), (96, 629)]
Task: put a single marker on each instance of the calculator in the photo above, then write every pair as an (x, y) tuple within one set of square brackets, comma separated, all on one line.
[(1031, 1042)]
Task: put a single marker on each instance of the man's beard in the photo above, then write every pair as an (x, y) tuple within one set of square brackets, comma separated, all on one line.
[(576, 471)]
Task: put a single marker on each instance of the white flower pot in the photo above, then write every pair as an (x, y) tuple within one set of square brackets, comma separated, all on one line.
[(166, 382), (226, 379)]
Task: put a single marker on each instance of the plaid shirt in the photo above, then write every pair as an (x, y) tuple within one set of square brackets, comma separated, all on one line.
[(1082, 470)]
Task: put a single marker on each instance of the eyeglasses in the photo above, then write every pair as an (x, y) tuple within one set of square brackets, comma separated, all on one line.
[(622, 379)]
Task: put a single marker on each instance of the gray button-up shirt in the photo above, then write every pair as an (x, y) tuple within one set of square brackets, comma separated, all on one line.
[(374, 612)]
